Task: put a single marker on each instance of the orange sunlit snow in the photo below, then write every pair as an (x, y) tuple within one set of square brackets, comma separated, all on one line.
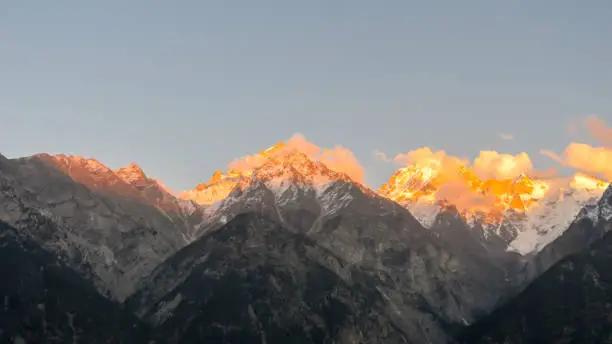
[(338, 159), (491, 183)]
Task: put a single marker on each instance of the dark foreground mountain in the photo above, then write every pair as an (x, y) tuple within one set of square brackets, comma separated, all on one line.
[(569, 303), (255, 281), (44, 301)]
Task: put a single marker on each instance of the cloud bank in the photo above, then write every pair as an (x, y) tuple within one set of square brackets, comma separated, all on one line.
[(584, 157)]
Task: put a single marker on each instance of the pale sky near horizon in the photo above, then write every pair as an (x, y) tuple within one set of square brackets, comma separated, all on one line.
[(184, 87)]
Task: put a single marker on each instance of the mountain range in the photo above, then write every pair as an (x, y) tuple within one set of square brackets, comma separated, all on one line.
[(288, 251)]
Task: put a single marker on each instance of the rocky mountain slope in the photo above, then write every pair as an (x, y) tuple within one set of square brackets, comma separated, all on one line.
[(569, 303), (254, 281), (44, 301), (113, 227)]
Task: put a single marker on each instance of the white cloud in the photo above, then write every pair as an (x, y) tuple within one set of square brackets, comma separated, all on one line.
[(554, 156), (382, 156), (506, 137)]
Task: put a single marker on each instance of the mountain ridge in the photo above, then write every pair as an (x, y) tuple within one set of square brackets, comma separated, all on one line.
[(113, 237), (525, 234), (535, 212)]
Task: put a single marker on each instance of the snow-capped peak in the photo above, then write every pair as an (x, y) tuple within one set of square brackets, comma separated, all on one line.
[(217, 189), (131, 173), (287, 175), (551, 216), (284, 180), (76, 161), (296, 167), (605, 204), (526, 212), (411, 182), (600, 211), (282, 167)]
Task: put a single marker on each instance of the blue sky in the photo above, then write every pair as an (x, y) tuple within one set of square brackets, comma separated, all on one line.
[(182, 88)]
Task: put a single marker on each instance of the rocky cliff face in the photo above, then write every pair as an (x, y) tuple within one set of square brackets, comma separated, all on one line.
[(44, 301), (569, 303), (451, 228), (110, 229)]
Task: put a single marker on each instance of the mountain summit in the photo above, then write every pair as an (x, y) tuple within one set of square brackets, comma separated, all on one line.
[(523, 213), (131, 173), (286, 180), (280, 167)]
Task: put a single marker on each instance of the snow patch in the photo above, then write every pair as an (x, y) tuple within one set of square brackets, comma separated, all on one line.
[(550, 218), (333, 199), (424, 212), (164, 311), (538, 227)]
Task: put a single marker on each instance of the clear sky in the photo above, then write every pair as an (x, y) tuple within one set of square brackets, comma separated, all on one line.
[(183, 87)]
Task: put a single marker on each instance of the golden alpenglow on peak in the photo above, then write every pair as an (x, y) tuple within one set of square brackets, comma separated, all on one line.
[(490, 184)]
